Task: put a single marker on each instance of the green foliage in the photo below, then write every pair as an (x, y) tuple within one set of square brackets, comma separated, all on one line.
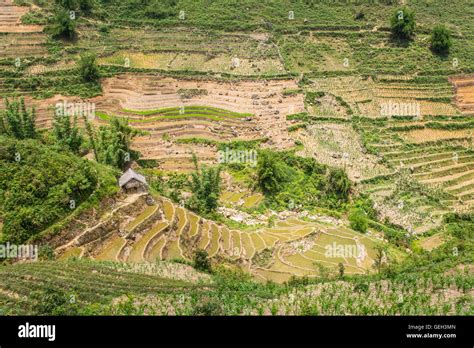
[(440, 40), (37, 185), (289, 181), (206, 187), (113, 143), (85, 6), (338, 183), (67, 133), (45, 253), (67, 4), (358, 220), (88, 68), (61, 25), (341, 269), (16, 121), (270, 173), (201, 261), (208, 306), (51, 301), (402, 23)]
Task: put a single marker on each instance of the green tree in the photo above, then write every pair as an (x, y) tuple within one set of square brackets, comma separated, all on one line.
[(51, 301), (206, 188), (88, 68), (62, 25), (341, 269), (17, 121), (67, 4), (380, 257), (358, 220), (270, 173), (440, 39), (90, 134), (338, 183), (113, 143), (67, 133), (201, 261), (85, 6), (402, 23)]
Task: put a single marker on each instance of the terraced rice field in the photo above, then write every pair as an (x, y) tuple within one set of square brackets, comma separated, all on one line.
[(440, 159), (90, 282), (291, 247), (366, 95), (241, 199), (464, 87)]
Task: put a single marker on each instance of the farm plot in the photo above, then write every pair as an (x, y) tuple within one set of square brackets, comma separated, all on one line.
[(339, 145), (464, 87), (10, 18), (439, 159), (366, 96), (180, 49), (292, 247)]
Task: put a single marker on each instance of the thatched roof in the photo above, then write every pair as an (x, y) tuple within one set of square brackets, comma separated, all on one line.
[(130, 175)]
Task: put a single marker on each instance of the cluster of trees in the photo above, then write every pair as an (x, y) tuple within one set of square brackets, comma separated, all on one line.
[(17, 121), (403, 25), (285, 177), (88, 68), (39, 185), (206, 188), (40, 182), (67, 132), (63, 22), (109, 144)]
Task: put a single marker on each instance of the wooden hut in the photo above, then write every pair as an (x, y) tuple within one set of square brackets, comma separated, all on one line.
[(132, 182)]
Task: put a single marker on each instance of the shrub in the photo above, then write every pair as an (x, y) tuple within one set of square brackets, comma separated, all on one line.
[(201, 261), (17, 121), (402, 23), (206, 188), (62, 26), (88, 68), (208, 306), (360, 15), (45, 253), (440, 39), (358, 220), (54, 302), (270, 174), (338, 183)]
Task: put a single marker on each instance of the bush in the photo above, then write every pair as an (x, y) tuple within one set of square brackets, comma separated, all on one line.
[(358, 221), (54, 302), (62, 26), (37, 184), (88, 68), (360, 15), (201, 261), (208, 306), (338, 183), (402, 23), (270, 174), (206, 188), (440, 39), (46, 253)]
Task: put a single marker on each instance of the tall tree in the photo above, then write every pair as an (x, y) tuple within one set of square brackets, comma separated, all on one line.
[(206, 188), (67, 133), (17, 121)]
